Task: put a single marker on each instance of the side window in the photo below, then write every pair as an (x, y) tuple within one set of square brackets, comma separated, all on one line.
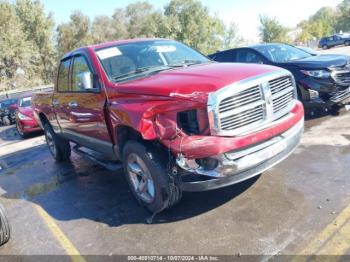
[(81, 74), (227, 56), (244, 56), (63, 73)]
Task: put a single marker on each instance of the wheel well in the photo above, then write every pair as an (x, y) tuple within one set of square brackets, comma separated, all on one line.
[(124, 134), (303, 94)]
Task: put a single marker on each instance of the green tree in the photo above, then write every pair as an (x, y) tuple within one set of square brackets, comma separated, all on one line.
[(103, 29), (75, 33), (19, 60), (38, 29), (272, 31), (231, 38), (343, 19), (190, 22), (144, 21)]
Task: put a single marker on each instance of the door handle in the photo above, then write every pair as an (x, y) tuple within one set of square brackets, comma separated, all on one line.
[(55, 102), (73, 104)]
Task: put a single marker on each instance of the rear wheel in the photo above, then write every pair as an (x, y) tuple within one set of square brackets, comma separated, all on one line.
[(58, 146), (148, 178), (347, 43), (5, 228)]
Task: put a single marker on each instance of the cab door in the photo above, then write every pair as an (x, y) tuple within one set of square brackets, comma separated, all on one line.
[(83, 113), (61, 96)]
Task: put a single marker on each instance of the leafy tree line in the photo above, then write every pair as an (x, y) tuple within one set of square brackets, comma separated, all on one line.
[(326, 21), (30, 44), (27, 51)]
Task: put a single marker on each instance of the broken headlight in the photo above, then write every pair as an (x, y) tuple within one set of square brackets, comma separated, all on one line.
[(187, 121)]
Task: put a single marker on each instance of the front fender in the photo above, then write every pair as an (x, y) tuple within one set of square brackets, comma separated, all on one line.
[(153, 119)]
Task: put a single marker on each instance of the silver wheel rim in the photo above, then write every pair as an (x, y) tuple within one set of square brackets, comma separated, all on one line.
[(140, 177), (19, 130), (50, 143)]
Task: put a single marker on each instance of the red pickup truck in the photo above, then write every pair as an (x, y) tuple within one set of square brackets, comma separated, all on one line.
[(176, 120)]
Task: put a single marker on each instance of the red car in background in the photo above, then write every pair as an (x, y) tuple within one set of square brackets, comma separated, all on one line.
[(25, 121)]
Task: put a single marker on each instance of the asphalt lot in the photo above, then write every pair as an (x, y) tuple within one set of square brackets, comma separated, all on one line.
[(301, 206)]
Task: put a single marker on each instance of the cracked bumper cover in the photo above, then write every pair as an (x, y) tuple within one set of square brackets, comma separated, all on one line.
[(240, 165)]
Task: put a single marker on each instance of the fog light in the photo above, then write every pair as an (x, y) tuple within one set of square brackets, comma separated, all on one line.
[(208, 163), (313, 94)]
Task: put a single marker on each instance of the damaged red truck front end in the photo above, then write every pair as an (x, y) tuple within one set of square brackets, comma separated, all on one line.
[(201, 125), (226, 122)]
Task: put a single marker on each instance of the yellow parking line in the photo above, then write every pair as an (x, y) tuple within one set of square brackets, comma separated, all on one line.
[(60, 236), (334, 239)]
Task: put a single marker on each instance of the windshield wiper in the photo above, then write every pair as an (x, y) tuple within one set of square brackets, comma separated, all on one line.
[(188, 63), (150, 69)]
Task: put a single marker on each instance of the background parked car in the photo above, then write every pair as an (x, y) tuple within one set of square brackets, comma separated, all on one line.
[(25, 121), (308, 50), (7, 111), (334, 40), (322, 80)]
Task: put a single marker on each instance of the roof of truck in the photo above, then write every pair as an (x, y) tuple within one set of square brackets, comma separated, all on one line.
[(112, 43)]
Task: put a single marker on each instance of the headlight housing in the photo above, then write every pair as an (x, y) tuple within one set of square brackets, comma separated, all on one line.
[(317, 73), (314, 94), (23, 117)]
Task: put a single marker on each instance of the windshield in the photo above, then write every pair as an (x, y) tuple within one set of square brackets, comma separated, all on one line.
[(133, 60), (282, 53), (25, 102)]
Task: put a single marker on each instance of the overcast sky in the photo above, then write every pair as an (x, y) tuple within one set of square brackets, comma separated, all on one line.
[(243, 12)]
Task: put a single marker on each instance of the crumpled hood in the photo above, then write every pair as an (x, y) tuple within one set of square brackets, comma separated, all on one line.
[(193, 82), (321, 61)]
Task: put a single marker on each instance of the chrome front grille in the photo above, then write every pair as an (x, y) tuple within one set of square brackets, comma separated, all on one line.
[(279, 84), (340, 95), (241, 99), (342, 77), (250, 104), (282, 90), (244, 118)]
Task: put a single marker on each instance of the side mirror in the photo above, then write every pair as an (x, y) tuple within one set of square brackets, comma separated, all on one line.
[(85, 81)]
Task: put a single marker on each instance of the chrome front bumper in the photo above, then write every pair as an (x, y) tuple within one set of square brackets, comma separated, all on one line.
[(237, 166)]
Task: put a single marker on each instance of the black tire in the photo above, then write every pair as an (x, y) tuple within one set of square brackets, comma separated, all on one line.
[(325, 47), (166, 191), (58, 146), (347, 43), (5, 228), (6, 121)]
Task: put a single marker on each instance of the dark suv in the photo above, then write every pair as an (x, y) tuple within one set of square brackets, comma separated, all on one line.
[(7, 111), (323, 81), (334, 40)]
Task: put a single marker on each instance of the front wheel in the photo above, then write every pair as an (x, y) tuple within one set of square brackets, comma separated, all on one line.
[(20, 131), (59, 147), (148, 178), (325, 47), (5, 228)]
